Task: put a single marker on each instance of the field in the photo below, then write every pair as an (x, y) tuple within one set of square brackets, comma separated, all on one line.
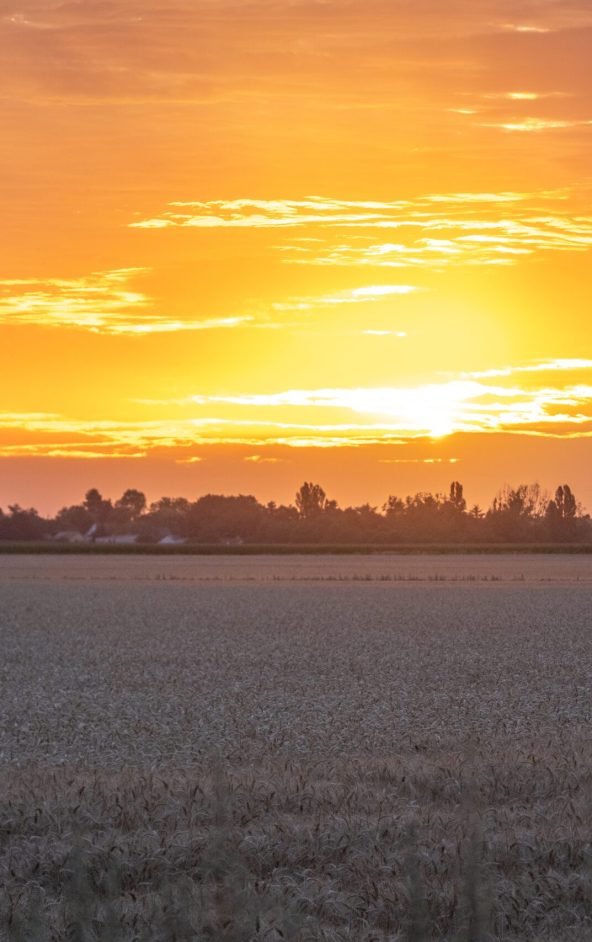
[(299, 748)]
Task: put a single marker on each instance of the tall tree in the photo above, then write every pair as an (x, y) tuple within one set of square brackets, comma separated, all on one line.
[(457, 496), (561, 515), (311, 500), (566, 502)]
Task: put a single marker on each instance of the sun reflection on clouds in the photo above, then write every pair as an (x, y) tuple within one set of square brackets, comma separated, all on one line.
[(327, 418)]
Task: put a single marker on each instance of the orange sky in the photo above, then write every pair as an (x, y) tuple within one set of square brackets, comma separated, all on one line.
[(247, 243)]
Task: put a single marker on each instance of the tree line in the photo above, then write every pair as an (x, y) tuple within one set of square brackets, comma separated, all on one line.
[(523, 514)]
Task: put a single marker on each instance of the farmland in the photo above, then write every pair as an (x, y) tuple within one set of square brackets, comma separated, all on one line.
[(355, 748)]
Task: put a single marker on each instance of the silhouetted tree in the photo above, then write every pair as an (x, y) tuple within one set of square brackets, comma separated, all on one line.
[(561, 514), (132, 503), (281, 523), (21, 524), (517, 514), (394, 507), (566, 502), (457, 496), (216, 517), (75, 517), (310, 500), (98, 508)]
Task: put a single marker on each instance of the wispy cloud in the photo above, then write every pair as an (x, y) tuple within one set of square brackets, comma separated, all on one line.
[(318, 211), (102, 302), (522, 96), (419, 460), (465, 404), (364, 295), (213, 51), (526, 28), (558, 365), (525, 96), (376, 332), (556, 402), (435, 231), (537, 125)]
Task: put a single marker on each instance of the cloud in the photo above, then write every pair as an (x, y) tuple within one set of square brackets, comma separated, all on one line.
[(259, 214), (526, 28), (384, 333), (434, 231), (563, 365), (236, 62), (102, 302), (536, 125), (465, 404), (419, 460), (522, 96), (556, 405), (324, 212), (66, 451), (516, 96), (363, 295)]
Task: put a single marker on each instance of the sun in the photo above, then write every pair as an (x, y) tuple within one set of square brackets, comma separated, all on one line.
[(432, 410)]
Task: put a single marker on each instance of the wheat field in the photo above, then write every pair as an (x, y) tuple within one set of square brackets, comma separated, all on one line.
[(304, 749)]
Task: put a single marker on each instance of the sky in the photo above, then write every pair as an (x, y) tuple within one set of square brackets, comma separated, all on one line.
[(252, 242)]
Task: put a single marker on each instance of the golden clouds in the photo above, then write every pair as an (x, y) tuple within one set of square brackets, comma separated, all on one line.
[(363, 295), (324, 212), (438, 409), (102, 302), (326, 418), (434, 231), (526, 28), (95, 302), (530, 125)]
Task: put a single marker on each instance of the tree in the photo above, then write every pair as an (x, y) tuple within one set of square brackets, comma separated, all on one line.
[(311, 500), (93, 501), (170, 505), (561, 514), (75, 517), (21, 524), (394, 507), (167, 514), (216, 517), (566, 502), (132, 502), (457, 496), (98, 508), (517, 512)]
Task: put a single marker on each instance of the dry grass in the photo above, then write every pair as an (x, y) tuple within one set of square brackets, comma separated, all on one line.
[(325, 762)]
